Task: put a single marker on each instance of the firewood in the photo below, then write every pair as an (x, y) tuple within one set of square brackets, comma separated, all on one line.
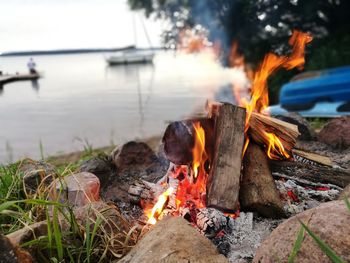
[(258, 191), (324, 160), (146, 192), (225, 168), (179, 138), (259, 124), (313, 173)]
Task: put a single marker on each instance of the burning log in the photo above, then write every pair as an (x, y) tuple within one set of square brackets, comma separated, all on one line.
[(225, 172), (313, 173), (179, 139), (261, 125), (258, 190), (142, 191)]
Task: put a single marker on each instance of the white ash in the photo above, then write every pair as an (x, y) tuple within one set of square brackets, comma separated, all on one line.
[(307, 197), (210, 221), (246, 235)]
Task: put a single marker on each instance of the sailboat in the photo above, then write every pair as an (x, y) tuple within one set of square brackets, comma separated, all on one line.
[(132, 55)]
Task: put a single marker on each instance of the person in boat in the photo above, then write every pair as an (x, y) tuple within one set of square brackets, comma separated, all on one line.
[(31, 66)]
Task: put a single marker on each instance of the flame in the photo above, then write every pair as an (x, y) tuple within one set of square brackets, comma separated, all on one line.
[(158, 207), (259, 95), (198, 152), (275, 146)]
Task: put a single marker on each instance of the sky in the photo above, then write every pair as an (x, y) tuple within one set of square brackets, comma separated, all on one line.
[(61, 24)]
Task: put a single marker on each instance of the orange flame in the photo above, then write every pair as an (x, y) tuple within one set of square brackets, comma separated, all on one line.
[(198, 152), (259, 95), (158, 207)]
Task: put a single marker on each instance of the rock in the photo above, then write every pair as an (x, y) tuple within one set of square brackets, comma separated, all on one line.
[(336, 133), (28, 233), (101, 167), (34, 173), (78, 189), (10, 253), (133, 153), (173, 239), (345, 193), (329, 221), (306, 131), (134, 160)]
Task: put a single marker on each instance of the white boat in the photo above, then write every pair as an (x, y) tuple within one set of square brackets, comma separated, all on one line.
[(130, 57)]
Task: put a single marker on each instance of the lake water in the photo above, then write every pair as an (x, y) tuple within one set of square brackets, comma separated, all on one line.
[(80, 99)]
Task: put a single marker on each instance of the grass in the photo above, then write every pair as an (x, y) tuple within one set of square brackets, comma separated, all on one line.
[(92, 238), (317, 123)]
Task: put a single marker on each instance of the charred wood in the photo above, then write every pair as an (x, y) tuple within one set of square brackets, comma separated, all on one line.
[(224, 176), (313, 173), (258, 191)]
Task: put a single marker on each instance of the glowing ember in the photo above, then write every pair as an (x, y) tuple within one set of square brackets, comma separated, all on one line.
[(159, 206)]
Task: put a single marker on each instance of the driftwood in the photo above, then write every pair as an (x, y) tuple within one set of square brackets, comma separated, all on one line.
[(258, 191), (179, 139), (224, 177), (260, 124), (313, 173)]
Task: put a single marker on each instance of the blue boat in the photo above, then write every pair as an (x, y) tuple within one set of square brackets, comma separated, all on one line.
[(323, 93)]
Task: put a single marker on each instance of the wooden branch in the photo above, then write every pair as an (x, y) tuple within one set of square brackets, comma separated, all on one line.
[(260, 124), (258, 190), (324, 160), (146, 192), (313, 173), (224, 177)]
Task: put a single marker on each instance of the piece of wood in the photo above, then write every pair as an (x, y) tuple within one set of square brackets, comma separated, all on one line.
[(142, 192), (260, 124), (258, 191), (313, 173), (324, 160), (178, 139), (225, 167)]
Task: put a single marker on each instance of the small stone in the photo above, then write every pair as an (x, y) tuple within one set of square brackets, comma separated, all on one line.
[(133, 153), (78, 189), (10, 253), (101, 167), (34, 174), (336, 133), (329, 221), (28, 233)]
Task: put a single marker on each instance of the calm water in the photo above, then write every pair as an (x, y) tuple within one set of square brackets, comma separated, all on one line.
[(81, 98)]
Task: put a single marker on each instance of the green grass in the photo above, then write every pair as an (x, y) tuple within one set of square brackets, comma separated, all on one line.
[(317, 123), (76, 241)]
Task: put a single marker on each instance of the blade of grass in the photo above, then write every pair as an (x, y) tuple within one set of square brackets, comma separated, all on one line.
[(297, 245), (347, 202), (323, 246), (57, 234)]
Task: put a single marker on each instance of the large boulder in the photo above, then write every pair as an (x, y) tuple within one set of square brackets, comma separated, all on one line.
[(173, 239), (336, 133), (329, 221)]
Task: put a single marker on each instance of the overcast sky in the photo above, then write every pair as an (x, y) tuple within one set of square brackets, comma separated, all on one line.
[(58, 24)]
